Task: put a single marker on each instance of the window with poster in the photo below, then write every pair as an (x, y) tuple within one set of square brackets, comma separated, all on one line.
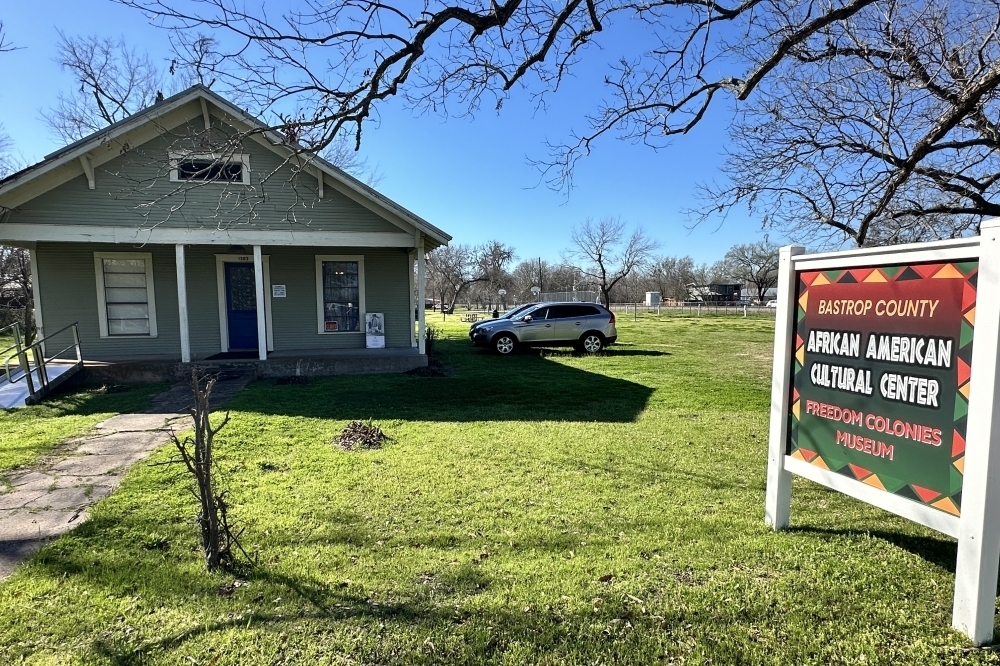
[(340, 293)]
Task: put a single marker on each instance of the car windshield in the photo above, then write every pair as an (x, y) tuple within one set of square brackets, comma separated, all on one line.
[(531, 310), (521, 309)]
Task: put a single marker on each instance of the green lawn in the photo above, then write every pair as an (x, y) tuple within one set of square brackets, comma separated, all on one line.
[(27, 433), (541, 509)]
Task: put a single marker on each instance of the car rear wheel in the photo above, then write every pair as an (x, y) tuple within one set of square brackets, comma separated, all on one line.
[(591, 343), (504, 344)]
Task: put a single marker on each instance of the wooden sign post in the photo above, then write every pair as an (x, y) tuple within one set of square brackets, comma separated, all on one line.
[(884, 388)]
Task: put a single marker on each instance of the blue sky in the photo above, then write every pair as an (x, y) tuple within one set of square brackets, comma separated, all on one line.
[(468, 176)]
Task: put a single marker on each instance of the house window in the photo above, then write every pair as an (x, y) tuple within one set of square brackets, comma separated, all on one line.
[(340, 297), (126, 304), (210, 168)]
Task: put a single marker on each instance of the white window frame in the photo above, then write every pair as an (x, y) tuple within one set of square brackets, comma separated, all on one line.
[(320, 311), (102, 304), (235, 158)]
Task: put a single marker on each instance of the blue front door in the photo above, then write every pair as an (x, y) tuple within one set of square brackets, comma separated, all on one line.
[(241, 306)]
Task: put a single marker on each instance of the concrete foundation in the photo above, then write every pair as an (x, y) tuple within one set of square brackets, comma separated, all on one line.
[(283, 364)]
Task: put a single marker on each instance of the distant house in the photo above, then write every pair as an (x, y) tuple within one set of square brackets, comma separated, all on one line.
[(716, 292), (186, 232)]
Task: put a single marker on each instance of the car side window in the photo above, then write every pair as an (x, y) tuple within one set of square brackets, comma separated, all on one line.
[(539, 314), (586, 311), (572, 311), (561, 312)]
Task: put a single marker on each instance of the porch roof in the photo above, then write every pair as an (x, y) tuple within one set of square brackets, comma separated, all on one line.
[(27, 235)]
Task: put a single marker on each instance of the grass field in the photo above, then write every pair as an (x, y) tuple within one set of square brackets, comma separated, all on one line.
[(540, 509), (30, 432), (26, 434)]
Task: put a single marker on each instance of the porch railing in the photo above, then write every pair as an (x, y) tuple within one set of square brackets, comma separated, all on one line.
[(32, 362)]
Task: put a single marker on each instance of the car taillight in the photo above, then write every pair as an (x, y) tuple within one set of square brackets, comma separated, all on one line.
[(612, 317)]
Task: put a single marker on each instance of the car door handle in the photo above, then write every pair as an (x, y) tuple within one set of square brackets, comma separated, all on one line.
[(579, 323), (548, 326)]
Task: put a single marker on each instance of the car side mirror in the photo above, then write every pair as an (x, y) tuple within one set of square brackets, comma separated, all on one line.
[(526, 319)]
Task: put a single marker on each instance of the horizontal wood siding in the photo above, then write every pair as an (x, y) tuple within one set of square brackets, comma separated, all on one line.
[(295, 317), (68, 290), (69, 294), (134, 190), (203, 300)]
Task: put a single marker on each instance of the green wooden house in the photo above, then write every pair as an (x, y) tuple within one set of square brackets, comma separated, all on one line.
[(188, 233)]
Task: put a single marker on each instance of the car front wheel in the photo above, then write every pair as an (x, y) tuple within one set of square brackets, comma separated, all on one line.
[(591, 343), (504, 344)]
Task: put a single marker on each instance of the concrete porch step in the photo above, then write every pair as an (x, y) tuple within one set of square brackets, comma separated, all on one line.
[(279, 364)]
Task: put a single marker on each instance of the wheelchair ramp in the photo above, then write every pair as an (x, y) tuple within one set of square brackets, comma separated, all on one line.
[(18, 395), (29, 374)]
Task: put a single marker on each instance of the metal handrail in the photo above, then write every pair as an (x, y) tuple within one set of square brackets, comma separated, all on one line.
[(38, 355), (18, 342), (17, 330)]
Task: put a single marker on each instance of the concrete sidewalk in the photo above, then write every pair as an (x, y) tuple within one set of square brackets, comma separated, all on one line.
[(52, 497)]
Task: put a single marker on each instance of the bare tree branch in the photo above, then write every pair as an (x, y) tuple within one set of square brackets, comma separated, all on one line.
[(754, 264), (883, 129), (603, 252), (452, 269), (854, 114), (115, 81), (5, 44)]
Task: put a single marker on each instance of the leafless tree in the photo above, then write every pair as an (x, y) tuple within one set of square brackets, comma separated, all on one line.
[(198, 58), (881, 128), (454, 268), (8, 162), (605, 254), (672, 275), (15, 289), (197, 453), (754, 264), (15, 264), (115, 81), (926, 71)]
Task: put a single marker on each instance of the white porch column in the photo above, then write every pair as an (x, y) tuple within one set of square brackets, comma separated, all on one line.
[(36, 297), (410, 258), (182, 304), (421, 293), (258, 277)]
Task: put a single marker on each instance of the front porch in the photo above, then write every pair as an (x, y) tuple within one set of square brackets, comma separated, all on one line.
[(306, 363), (261, 335), (236, 304)]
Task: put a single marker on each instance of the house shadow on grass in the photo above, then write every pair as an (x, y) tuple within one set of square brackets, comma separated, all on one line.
[(939, 551), (482, 387), (433, 605)]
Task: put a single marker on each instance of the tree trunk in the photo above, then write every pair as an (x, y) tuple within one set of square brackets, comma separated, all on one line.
[(216, 539)]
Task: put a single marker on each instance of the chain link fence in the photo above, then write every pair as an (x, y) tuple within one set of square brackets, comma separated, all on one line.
[(568, 296), (695, 309)]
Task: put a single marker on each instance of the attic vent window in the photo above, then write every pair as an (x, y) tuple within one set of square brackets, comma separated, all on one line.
[(205, 170), (210, 169)]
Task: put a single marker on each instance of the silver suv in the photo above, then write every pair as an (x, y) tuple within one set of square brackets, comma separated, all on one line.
[(589, 327)]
